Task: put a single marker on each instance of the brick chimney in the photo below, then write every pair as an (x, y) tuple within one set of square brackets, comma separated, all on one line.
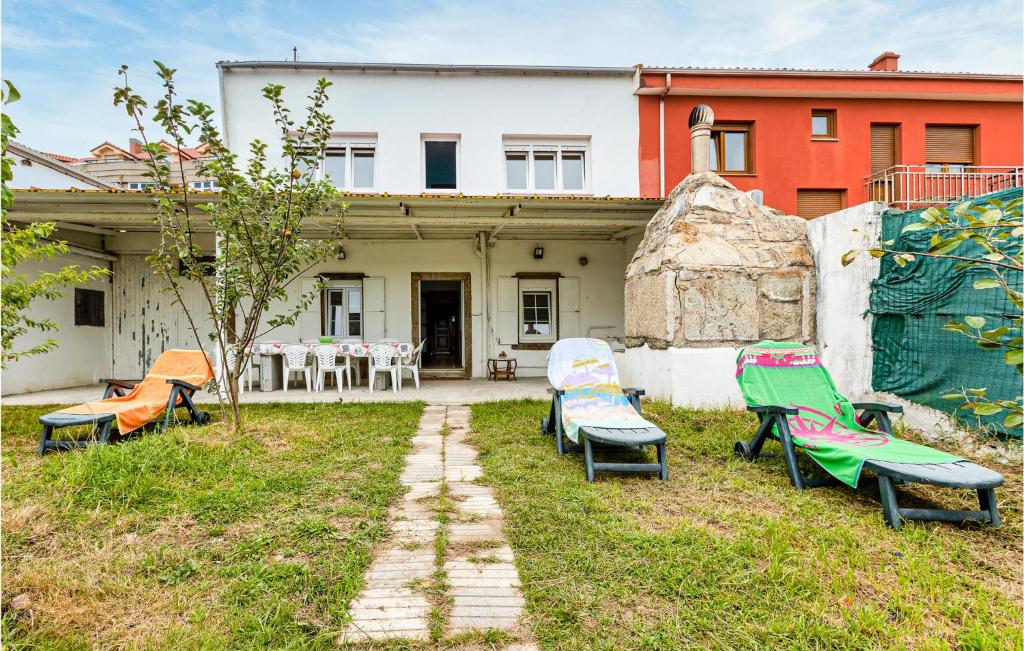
[(885, 62), (134, 146)]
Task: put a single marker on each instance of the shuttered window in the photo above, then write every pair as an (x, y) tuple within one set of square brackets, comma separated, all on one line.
[(815, 203), (883, 146), (949, 144)]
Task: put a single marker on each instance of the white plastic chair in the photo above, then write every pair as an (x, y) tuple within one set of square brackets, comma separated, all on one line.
[(296, 360), (327, 362), (410, 361), (381, 359), (347, 351)]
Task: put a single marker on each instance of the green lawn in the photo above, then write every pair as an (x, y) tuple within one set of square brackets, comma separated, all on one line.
[(727, 555), (197, 538)]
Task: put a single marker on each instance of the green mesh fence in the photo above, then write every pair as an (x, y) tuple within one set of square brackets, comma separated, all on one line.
[(913, 357)]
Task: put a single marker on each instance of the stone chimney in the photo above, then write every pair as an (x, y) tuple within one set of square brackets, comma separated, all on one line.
[(885, 62), (701, 119)]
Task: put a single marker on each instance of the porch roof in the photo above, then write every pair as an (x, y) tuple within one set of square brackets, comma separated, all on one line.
[(372, 216)]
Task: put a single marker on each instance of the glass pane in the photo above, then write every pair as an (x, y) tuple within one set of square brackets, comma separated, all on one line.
[(544, 171), (362, 168), (334, 168), (515, 171), (713, 152), (305, 166), (439, 158), (819, 125), (537, 313), (735, 151), (335, 311), (572, 171)]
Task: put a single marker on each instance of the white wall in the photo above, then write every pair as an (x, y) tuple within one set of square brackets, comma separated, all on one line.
[(38, 175), (481, 108), (688, 377), (844, 327), (601, 286), (83, 356)]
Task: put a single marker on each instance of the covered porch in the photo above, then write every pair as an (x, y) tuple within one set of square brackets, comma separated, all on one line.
[(470, 277)]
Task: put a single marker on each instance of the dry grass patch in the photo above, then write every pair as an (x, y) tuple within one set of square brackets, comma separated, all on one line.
[(727, 555), (197, 537)]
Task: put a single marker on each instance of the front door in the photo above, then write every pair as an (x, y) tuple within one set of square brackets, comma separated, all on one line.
[(440, 321)]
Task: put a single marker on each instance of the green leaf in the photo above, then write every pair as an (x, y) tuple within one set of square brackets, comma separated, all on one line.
[(987, 409), (1014, 356), (975, 322), (1013, 420), (917, 226), (849, 257), (986, 283), (977, 392), (11, 93)]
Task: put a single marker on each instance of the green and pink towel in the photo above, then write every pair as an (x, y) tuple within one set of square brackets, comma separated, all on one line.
[(791, 375)]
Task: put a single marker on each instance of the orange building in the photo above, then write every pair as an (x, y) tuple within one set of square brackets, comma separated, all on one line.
[(819, 140)]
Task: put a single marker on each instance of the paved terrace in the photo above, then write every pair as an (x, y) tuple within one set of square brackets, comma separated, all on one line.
[(433, 392)]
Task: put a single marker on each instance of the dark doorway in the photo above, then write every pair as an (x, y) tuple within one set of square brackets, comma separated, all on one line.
[(441, 323)]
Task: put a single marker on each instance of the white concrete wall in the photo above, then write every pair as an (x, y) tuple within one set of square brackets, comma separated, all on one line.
[(38, 175), (400, 107), (601, 286), (83, 356), (844, 327), (688, 377)]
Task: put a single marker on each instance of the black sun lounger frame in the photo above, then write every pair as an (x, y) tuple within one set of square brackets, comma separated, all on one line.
[(959, 474), (632, 438), (103, 424)]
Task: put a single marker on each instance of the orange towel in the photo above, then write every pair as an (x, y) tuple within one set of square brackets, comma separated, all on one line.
[(148, 400)]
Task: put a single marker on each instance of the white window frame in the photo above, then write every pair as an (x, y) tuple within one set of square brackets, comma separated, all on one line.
[(530, 146), (208, 185), (350, 145), (346, 287), (441, 137), (532, 286)]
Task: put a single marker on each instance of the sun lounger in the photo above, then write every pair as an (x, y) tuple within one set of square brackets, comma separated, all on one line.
[(798, 404), (175, 377), (589, 403)]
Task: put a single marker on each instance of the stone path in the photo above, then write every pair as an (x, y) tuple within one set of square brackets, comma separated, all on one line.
[(409, 591)]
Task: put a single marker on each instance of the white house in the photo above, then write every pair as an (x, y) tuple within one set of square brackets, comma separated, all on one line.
[(491, 209)]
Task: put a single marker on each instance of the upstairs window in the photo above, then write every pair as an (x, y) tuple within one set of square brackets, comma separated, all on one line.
[(949, 148), (730, 150), (440, 163), (348, 165), (546, 167), (207, 186), (823, 124)]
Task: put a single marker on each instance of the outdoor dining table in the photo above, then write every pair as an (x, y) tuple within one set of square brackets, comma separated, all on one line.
[(272, 357)]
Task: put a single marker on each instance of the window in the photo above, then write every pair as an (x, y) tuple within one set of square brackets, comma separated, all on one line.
[(537, 312), (949, 148), (823, 124), (343, 306), (89, 307), (141, 186), (730, 149), (349, 165), (884, 138), (815, 203), (208, 186), (440, 164), (546, 167)]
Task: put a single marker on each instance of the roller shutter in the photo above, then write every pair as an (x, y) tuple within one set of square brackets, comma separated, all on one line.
[(883, 146), (815, 203), (949, 144)]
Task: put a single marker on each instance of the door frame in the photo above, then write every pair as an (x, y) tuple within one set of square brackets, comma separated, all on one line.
[(466, 372)]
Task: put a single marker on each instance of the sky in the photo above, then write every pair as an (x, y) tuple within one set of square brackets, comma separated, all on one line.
[(63, 55)]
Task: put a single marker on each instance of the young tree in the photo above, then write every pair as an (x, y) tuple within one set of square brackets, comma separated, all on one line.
[(984, 235), (272, 222), (21, 244)]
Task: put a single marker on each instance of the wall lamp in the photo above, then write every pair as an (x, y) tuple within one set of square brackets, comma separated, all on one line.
[(538, 253), (341, 252)]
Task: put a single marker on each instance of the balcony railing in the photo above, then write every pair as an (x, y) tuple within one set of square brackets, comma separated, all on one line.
[(916, 186)]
